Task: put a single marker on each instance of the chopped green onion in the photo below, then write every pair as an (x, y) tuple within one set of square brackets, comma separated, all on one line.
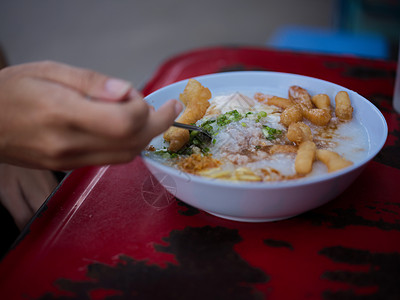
[(166, 154), (207, 126), (262, 114), (270, 133), (229, 117)]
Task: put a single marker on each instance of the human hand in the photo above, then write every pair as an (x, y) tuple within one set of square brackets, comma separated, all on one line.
[(47, 120)]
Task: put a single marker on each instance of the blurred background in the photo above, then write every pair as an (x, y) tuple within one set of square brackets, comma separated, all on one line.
[(131, 38)]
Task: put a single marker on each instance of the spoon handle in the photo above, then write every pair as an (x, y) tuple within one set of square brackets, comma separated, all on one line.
[(186, 126), (203, 135)]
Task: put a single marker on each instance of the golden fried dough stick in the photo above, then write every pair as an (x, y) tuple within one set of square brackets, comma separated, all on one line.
[(299, 132), (343, 110), (282, 149), (305, 157), (195, 97), (317, 116), (299, 95), (177, 138), (280, 102), (292, 114), (332, 160), (321, 101)]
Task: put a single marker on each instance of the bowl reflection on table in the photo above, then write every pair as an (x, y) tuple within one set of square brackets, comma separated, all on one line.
[(267, 201)]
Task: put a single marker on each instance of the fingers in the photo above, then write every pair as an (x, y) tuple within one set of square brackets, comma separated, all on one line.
[(162, 119), (131, 135), (62, 107), (64, 129), (128, 120), (85, 81), (113, 120), (118, 142), (125, 150)]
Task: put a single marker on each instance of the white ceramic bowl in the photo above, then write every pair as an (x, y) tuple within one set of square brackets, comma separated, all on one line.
[(266, 201)]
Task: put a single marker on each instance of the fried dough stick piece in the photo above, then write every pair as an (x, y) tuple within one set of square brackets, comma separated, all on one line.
[(300, 96), (317, 116), (292, 114), (321, 101), (305, 157), (296, 112), (343, 110), (299, 132), (280, 102), (332, 160), (195, 98)]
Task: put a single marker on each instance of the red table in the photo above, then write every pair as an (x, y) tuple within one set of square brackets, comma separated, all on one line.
[(106, 233)]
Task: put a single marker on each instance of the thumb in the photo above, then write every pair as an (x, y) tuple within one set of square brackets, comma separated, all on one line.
[(87, 82), (163, 118)]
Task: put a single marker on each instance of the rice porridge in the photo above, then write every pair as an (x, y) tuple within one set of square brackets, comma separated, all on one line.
[(250, 143)]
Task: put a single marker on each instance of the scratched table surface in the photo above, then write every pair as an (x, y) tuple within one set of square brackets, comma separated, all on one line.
[(113, 233)]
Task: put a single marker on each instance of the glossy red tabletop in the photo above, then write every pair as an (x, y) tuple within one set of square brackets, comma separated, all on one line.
[(113, 233)]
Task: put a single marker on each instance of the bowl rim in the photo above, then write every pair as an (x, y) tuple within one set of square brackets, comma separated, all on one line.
[(270, 184)]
